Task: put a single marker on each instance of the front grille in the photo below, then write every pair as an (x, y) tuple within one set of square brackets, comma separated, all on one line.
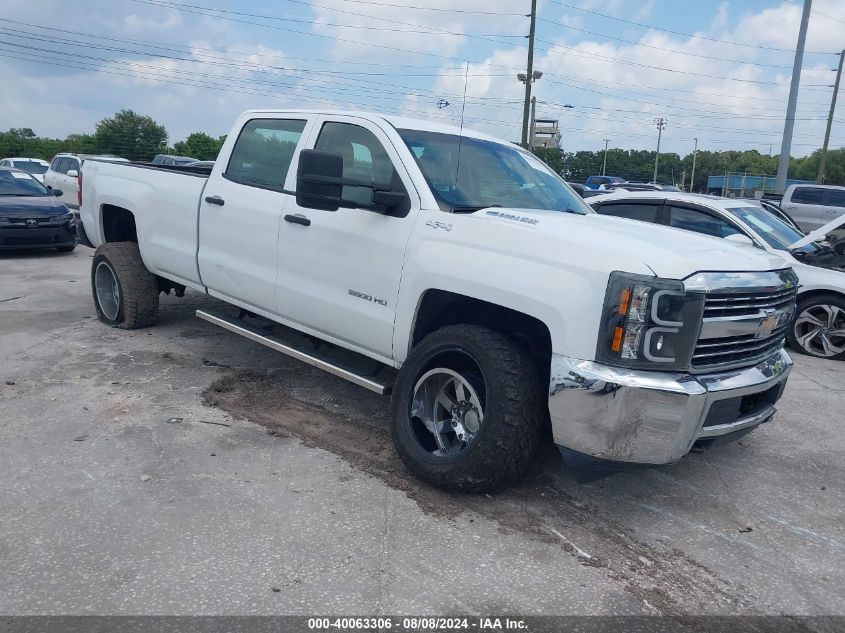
[(34, 237), (754, 323), (747, 303)]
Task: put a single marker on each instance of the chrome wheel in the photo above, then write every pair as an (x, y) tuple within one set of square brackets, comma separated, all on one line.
[(108, 291), (820, 330), (446, 412)]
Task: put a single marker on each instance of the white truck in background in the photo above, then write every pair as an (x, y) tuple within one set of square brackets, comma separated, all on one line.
[(457, 272)]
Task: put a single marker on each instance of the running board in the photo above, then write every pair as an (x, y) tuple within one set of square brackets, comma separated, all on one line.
[(277, 343)]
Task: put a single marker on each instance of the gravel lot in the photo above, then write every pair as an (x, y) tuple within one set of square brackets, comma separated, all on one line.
[(278, 492)]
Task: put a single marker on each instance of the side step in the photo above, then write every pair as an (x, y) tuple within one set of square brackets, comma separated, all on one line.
[(284, 340)]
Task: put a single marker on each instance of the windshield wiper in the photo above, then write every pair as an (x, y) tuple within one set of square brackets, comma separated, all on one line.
[(466, 208)]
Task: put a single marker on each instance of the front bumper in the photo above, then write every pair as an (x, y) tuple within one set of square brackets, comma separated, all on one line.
[(45, 235), (616, 415)]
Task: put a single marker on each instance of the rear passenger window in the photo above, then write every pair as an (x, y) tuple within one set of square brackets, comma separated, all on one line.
[(807, 195), (263, 153), (700, 222), (835, 198), (645, 212)]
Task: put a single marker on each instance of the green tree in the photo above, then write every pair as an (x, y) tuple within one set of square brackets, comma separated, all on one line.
[(200, 145), (131, 136)]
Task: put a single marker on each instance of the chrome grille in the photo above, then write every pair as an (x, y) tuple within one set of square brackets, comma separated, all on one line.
[(743, 326), (744, 303)]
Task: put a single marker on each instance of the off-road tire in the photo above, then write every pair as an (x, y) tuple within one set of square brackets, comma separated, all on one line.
[(138, 287), (515, 411)]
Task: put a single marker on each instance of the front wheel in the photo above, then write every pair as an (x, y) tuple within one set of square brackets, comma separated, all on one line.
[(468, 409), (125, 292), (819, 327)]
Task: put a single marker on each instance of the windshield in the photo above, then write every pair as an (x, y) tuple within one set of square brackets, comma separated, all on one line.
[(16, 183), (31, 166), (488, 174), (772, 229)]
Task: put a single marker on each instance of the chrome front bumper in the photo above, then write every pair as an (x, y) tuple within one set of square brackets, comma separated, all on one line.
[(642, 417)]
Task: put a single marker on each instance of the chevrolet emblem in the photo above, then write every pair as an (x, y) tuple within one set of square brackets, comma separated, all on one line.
[(767, 325)]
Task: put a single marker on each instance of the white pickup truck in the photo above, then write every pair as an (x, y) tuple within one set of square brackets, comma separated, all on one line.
[(458, 272)]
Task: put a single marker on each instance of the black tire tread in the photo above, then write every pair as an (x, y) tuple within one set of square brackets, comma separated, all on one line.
[(512, 438), (139, 287)]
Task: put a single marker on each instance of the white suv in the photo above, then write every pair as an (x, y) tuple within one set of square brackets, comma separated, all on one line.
[(35, 167), (64, 173), (813, 206)]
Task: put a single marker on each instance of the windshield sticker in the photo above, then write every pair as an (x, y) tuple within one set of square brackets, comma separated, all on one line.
[(17, 175), (516, 218)]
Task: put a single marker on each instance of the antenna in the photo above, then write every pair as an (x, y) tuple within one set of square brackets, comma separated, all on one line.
[(460, 140)]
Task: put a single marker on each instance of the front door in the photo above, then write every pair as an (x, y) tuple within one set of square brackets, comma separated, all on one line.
[(241, 209), (339, 271)]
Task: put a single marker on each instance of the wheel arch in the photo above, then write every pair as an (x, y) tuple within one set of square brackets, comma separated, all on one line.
[(118, 224)]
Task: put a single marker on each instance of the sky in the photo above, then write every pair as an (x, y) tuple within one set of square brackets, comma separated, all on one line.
[(715, 71)]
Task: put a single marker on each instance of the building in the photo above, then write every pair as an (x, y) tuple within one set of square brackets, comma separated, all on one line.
[(733, 185), (545, 133)]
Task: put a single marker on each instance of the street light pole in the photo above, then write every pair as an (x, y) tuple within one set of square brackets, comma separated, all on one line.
[(789, 124), (529, 76), (661, 125), (822, 174), (604, 164), (694, 156)]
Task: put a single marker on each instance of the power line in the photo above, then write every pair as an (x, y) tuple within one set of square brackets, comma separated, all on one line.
[(661, 48), (681, 33)]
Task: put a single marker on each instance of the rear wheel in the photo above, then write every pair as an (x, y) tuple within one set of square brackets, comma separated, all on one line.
[(819, 327), (468, 409), (125, 292)]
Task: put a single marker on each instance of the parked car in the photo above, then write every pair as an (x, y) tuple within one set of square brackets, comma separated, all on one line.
[(34, 166), (594, 182), (65, 172), (819, 325), (31, 216), (488, 301), (169, 159), (813, 206), (201, 163), (636, 186)]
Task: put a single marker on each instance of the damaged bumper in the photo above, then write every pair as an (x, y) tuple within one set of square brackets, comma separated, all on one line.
[(613, 418)]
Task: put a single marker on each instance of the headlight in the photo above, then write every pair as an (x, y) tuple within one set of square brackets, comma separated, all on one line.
[(64, 217), (649, 323)]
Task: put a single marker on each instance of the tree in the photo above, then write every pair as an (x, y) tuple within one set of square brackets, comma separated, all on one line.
[(130, 135), (200, 145)]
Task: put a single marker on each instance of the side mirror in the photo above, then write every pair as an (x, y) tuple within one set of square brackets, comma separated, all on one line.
[(318, 177), (320, 183), (72, 173), (57, 192), (739, 238)]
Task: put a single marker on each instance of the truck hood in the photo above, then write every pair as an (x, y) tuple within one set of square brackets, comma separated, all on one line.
[(630, 245)]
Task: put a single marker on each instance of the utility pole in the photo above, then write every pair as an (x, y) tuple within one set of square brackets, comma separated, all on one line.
[(789, 124), (822, 175), (661, 125), (604, 164), (694, 156), (529, 76), (533, 123)]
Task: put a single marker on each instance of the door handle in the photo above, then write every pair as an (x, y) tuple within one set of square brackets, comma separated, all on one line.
[(298, 219), (215, 200)]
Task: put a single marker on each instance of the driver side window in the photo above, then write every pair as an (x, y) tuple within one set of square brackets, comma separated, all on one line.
[(364, 158)]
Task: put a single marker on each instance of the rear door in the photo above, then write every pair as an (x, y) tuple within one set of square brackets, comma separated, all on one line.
[(834, 204), (806, 206), (339, 271), (241, 209)]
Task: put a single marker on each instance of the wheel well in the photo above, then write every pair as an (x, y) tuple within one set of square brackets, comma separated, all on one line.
[(118, 224), (439, 308), (819, 293)]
